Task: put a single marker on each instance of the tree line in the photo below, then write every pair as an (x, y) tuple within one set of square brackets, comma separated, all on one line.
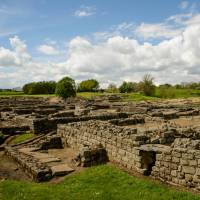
[(67, 87), (50, 87)]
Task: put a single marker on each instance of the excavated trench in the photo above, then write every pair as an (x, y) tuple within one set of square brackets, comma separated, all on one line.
[(10, 169)]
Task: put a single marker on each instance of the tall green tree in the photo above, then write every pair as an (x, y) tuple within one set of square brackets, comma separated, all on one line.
[(66, 88), (90, 85)]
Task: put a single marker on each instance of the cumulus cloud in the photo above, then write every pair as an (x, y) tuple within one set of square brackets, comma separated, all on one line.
[(47, 49), (8, 58), (173, 59), (85, 11), (15, 57)]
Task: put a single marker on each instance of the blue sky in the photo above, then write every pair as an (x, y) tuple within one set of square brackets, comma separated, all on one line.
[(48, 39), (37, 20)]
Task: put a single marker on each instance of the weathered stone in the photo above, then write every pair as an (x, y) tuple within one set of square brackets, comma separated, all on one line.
[(61, 169), (189, 170)]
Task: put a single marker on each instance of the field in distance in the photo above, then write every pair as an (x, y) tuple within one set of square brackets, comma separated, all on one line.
[(170, 93)]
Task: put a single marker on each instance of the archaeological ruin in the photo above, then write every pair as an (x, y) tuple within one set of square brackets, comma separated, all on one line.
[(160, 139)]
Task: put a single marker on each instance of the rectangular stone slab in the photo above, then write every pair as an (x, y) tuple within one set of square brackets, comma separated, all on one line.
[(62, 169), (49, 160)]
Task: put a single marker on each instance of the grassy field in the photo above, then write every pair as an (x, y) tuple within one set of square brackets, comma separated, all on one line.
[(89, 95), (101, 182), (16, 94), (172, 93), (22, 138), (166, 93)]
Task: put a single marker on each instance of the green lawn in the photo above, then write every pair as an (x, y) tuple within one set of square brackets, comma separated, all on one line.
[(101, 182), (22, 138)]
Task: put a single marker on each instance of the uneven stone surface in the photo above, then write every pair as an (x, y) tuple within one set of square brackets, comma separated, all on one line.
[(160, 138)]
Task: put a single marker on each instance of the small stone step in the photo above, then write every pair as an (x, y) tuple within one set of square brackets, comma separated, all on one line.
[(62, 169)]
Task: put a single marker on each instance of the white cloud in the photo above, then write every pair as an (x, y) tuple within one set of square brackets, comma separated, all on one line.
[(8, 58), (114, 59), (157, 31), (123, 29), (171, 27), (184, 5), (85, 11), (121, 58), (47, 50)]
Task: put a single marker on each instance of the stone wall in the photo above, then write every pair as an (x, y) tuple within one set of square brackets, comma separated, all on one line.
[(119, 142), (45, 125), (36, 170), (177, 163)]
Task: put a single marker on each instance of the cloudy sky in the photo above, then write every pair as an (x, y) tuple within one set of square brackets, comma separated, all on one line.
[(109, 40)]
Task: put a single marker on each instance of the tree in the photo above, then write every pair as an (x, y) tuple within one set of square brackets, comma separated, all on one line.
[(66, 88), (128, 87), (147, 86), (43, 87), (112, 88), (90, 85)]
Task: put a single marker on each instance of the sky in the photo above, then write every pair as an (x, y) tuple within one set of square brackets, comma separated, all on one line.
[(108, 40)]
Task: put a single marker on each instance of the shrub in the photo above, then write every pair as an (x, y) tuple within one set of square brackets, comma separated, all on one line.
[(147, 86), (66, 88)]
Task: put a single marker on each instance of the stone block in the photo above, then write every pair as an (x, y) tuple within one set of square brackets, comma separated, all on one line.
[(184, 162), (174, 173), (192, 162), (189, 170), (61, 169), (175, 160)]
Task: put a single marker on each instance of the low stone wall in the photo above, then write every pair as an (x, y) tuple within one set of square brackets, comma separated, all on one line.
[(119, 142), (45, 125), (14, 130), (177, 163), (179, 166), (36, 170)]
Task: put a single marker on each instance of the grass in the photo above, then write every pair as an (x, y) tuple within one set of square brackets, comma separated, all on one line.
[(89, 95), (166, 93), (176, 93), (101, 182), (18, 94), (22, 138), (11, 93), (137, 97), (125, 97)]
